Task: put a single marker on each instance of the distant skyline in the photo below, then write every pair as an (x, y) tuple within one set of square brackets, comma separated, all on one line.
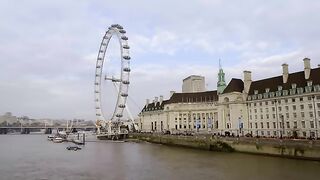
[(48, 48)]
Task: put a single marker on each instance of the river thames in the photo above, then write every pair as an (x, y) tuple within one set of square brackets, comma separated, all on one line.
[(34, 157)]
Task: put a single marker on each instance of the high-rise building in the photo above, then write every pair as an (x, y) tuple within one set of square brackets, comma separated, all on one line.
[(193, 83)]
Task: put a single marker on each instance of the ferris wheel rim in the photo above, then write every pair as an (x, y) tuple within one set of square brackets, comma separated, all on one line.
[(119, 32)]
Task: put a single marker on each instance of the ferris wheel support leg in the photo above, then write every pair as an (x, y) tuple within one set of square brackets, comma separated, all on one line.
[(131, 117)]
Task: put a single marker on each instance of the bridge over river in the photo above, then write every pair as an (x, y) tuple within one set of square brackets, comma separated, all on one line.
[(45, 129)]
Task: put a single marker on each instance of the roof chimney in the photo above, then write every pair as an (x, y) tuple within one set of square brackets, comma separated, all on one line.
[(307, 68), (147, 102), (247, 81), (161, 99), (155, 100), (171, 93), (285, 73)]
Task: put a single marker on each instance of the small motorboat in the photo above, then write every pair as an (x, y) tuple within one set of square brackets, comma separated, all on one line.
[(57, 140), (50, 138), (74, 148)]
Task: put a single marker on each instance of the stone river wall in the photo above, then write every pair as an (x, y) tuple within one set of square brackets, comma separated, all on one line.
[(290, 148)]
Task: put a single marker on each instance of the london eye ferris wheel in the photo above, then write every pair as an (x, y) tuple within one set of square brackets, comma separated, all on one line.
[(121, 82)]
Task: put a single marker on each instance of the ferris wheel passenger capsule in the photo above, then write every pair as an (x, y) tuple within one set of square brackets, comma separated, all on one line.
[(124, 37), (122, 106), (126, 47)]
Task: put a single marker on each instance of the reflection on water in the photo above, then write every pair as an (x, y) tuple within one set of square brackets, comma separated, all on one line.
[(33, 157)]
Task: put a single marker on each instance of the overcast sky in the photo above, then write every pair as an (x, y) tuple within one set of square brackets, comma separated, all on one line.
[(48, 48)]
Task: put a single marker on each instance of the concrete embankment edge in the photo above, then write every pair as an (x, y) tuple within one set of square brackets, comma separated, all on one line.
[(297, 149)]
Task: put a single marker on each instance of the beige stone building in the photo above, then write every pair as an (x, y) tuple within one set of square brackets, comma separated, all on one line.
[(284, 105)]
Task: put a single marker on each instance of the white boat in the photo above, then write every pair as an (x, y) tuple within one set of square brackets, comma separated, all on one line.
[(57, 140)]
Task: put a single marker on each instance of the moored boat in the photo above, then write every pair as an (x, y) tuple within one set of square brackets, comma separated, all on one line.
[(50, 137), (57, 140)]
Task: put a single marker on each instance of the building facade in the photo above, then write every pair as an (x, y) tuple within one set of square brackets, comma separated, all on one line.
[(282, 106)]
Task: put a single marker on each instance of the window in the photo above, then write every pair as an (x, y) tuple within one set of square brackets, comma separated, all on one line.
[(256, 125), (255, 116), (295, 115), (302, 114), (268, 125), (301, 99), (260, 103), (294, 107), (261, 116), (318, 105), (311, 114), (266, 102), (309, 83), (267, 115), (261, 125), (286, 100), (267, 90), (293, 100), (287, 115), (303, 124), (287, 108), (311, 124), (250, 125), (261, 110), (279, 108), (295, 124), (255, 110), (273, 108), (274, 125), (250, 117), (274, 116), (288, 125), (255, 104), (309, 98), (310, 106), (301, 106), (267, 110)]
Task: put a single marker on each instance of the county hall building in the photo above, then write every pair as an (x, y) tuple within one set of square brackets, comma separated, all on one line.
[(287, 105)]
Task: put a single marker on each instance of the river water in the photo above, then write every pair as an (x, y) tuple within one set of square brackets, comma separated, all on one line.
[(34, 157)]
